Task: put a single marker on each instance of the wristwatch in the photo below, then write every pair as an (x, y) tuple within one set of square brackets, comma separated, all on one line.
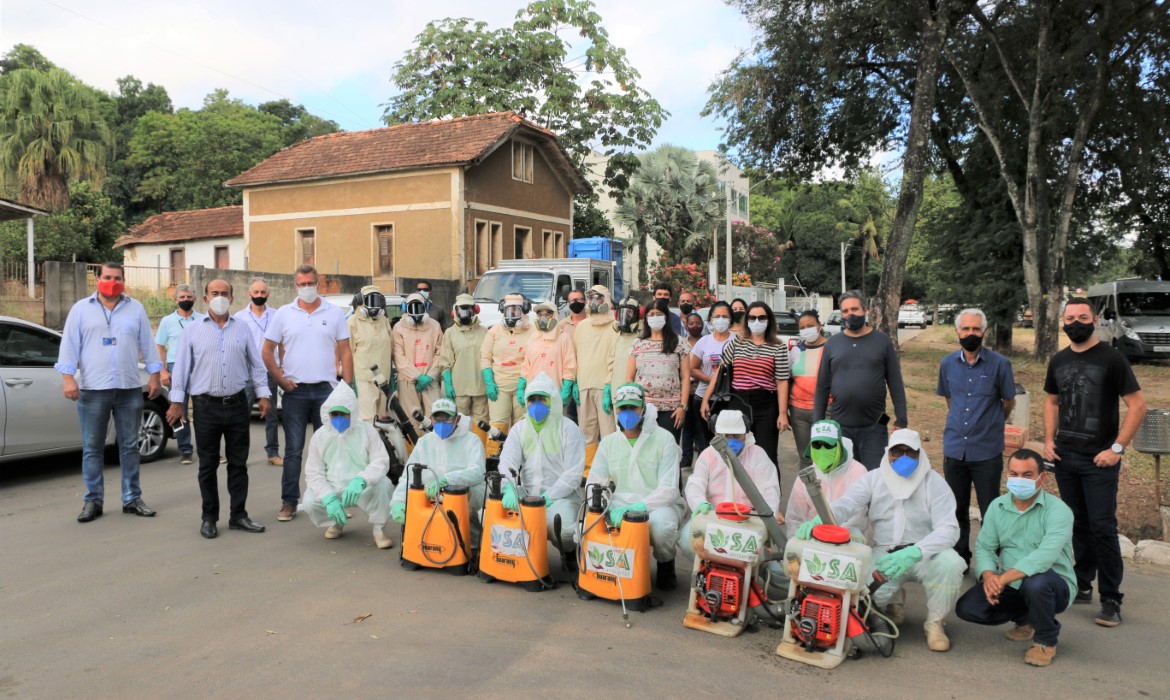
[(1118, 448)]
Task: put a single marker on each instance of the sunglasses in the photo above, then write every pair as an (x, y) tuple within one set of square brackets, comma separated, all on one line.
[(757, 318), (818, 445)]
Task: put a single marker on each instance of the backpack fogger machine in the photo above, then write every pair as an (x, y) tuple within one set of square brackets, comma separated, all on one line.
[(437, 532), (613, 562)]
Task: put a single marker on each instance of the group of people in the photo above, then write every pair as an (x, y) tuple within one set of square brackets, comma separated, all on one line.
[(635, 393)]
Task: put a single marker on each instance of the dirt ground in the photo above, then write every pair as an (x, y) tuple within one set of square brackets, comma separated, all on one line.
[(1137, 510)]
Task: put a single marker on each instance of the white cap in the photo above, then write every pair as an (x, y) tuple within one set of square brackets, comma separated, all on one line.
[(905, 436), (730, 422), (444, 406)]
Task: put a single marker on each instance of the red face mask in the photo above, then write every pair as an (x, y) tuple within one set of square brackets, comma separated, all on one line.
[(110, 288)]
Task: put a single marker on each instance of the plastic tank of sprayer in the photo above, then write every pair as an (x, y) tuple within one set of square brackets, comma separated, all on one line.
[(731, 540), (840, 567)]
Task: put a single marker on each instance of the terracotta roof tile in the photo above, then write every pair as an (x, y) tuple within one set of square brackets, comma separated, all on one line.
[(186, 226), (407, 146)]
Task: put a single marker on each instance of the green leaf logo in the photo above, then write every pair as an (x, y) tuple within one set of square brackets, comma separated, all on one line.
[(595, 554), (815, 565), (718, 539)]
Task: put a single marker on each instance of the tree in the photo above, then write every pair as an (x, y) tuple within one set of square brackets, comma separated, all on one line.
[(864, 216), (297, 123), (122, 111), (51, 135), (589, 220), (757, 251), (24, 56), (674, 199), (85, 231), (583, 90)]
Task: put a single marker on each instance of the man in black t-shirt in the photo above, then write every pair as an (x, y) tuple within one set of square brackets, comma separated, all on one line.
[(1085, 439)]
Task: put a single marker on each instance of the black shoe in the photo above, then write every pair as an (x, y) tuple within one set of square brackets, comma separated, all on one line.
[(667, 579), (208, 529), (91, 510), (1084, 596), (137, 507), (570, 560), (1110, 615), (245, 523)]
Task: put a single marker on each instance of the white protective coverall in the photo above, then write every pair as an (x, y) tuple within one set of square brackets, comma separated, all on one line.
[(919, 510), (460, 458), (550, 461), (646, 471), (834, 485), (334, 459), (713, 481)]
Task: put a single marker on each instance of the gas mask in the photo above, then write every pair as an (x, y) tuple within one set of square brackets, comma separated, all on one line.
[(512, 315), (415, 311), (464, 315)]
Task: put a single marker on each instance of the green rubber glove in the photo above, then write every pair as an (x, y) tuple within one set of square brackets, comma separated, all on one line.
[(489, 380), (334, 509), (616, 515), (547, 500), (349, 497), (434, 486), (448, 384), (567, 388), (804, 532), (896, 564), (521, 387), (510, 501), (607, 401), (398, 513), (703, 507), (576, 394), (423, 381)]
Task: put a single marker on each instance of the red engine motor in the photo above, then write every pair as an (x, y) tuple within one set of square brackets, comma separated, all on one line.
[(819, 624), (719, 591)]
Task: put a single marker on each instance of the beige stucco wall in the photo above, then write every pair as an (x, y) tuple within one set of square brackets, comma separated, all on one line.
[(491, 182)]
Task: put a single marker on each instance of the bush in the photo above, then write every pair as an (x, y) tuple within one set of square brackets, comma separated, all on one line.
[(686, 277)]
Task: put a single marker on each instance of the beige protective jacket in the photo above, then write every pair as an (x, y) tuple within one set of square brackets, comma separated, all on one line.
[(460, 355), (370, 341), (503, 352), (416, 349)]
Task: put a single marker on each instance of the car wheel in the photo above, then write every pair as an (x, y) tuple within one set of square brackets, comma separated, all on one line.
[(152, 433)]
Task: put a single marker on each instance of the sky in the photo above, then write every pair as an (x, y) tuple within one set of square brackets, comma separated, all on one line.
[(336, 57)]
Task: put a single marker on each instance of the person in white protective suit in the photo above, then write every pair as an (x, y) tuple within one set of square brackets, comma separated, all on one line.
[(642, 461), (547, 451), (912, 511), (453, 456), (832, 456), (346, 466), (712, 481)]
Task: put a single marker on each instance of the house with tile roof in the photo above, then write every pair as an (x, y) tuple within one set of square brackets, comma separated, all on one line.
[(442, 201), (174, 240)]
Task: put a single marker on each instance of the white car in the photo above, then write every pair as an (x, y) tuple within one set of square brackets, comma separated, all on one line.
[(910, 315), (832, 325)]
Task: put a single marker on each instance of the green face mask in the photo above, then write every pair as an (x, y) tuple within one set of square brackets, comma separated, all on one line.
[(826, 458)]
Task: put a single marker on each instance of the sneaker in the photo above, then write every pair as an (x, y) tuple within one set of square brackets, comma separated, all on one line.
[(276, 461), (1039, 655), (333, 532), (1110, 615), (1084, 596), (381, 539), (1021, 633), (936, 637), (185, 458), (287, 512), (667, 579)]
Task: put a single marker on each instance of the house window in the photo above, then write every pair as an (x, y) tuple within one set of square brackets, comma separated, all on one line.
[(221, 258), (523, 239), (559, 245), (497, 238), (483, 248), (546, 244), (522, 154), (178, 266), (307, 246), (384, 245)]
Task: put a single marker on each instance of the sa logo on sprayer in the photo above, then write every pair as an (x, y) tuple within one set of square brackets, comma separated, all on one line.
[(615, 561), (831, 570), (731, 542)]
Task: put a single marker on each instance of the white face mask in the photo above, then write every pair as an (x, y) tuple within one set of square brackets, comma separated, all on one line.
[(809, 335), (757, 327), (425, 293), (656, 323), (307, 294), (721, 324), (219, 305)]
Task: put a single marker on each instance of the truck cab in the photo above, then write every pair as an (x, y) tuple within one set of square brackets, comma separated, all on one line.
[(1134, 317), (539, 280)]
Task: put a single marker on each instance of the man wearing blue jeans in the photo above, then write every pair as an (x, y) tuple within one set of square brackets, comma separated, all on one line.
[(104, 336), (315, 338), (980, 390), (170, 328), (256, 316)]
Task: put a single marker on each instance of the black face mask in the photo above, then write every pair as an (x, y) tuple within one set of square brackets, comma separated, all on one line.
[(187, 305), (737, 317), (259, 301), (576, 306), (1078, 331), (854, 322), (971, 342), (686, 309)]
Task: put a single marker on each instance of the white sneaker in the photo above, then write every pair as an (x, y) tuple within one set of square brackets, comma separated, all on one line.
[(936, 637), (333, 532)]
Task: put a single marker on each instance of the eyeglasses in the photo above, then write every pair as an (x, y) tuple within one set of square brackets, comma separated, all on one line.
[(422, 289), (757, 318), (901, 451), (442, 418), (302, 285)]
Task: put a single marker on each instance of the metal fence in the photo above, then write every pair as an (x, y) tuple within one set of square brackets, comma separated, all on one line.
[(14, 280), (143, 279)]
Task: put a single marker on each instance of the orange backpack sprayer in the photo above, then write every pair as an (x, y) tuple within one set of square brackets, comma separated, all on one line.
[(514, 547), (614, 562), (437, 534)]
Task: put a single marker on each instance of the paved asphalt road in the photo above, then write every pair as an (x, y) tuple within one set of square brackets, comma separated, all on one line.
[(132, 607)]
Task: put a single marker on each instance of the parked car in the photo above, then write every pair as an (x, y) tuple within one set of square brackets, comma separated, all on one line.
[(911, 315), (35, 417), (394, 304), (787, 327), (832, 325)]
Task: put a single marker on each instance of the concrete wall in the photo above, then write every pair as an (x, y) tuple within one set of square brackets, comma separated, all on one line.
[(281, 290), (198, 252), (65, 283)]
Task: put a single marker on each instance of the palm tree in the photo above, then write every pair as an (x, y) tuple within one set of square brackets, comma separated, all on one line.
[(674, 199), (51, 134), (864, 214)]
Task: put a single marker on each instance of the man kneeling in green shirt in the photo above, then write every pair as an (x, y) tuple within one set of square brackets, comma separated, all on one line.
[(1031, 578)]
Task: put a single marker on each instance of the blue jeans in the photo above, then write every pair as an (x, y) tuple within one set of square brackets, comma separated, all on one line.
[(869, 443), (1036, 602), (271, 440), (299, 407), (93, 409), (183, 437), (1091, 493)]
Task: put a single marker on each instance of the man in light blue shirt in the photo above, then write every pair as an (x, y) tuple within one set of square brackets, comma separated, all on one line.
[(104, 336), (257, 316), (214, 360), (169, 329)]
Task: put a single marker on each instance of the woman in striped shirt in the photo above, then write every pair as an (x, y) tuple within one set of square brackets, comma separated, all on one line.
[(658, 361), (759, 376)]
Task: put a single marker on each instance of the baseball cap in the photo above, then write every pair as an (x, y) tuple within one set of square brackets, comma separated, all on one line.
[(444, 406), (630, 394)]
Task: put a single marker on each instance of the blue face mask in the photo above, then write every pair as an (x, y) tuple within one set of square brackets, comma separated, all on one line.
[(904, 466), (1021, 488), (735, 445), (339, 423), (629, 419), (444, 430), (538, 411)]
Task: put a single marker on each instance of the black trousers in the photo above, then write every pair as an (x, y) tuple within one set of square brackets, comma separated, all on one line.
[(214, 421), (765, 413), (961, 474)]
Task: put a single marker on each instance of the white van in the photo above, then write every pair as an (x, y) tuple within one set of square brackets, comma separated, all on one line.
[(540, 280), (1134, 317)]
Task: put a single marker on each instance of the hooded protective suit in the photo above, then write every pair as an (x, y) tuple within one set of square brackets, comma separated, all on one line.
[(460, 358), (550, 352), (503, 353), (919, 511), (417, 345), (593, 341), (646, 471), (370, 342), (460, 458), (549, 458), (334, 459), (834, 485)]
